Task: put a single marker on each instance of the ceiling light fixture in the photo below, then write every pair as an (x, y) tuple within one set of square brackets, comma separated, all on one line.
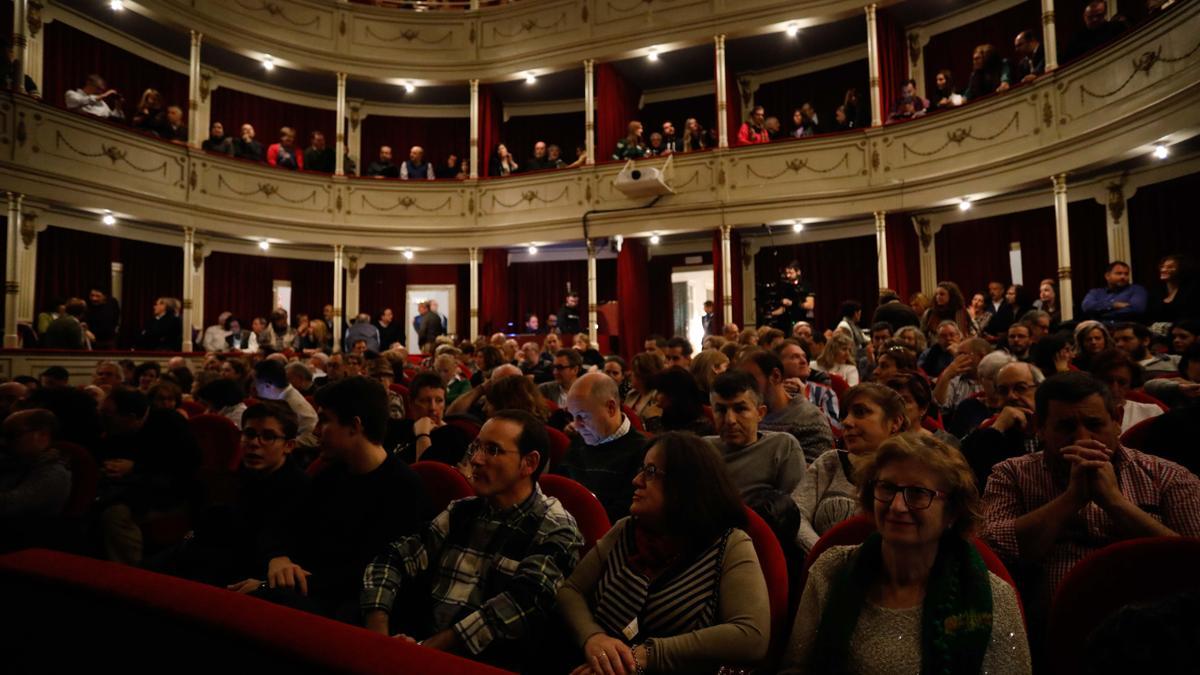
[(532, 250), (798, 226), (654, 239), (530, 78), (268, 62), (409, 87), (793, 29), (964, 205), (1161, 151), (408, 254), (116, 5), (109, 219), (653, 54), (264, 245)]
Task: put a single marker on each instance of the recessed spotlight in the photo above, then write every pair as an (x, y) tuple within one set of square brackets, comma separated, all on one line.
[(268, 62), (109, 219), (653, 54), (264, 245), (1161, 151), (798, 226), (793, 29), (532, 250), (409, 87), (964, 205), (654, 239), (116, 5), (408, 254), (530, 78)]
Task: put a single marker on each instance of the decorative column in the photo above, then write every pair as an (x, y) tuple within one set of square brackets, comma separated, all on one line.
[(873, 65), (593, 327), (354, 135), (589, 110), (927, 238), (118, 280), (473, 261), (352, 269), (722, 97), (339, 162), (27, 267), (750, 249), (1115, 198), (473, 157), (337, 298), (196, 132), (198, 256), (881, 247), (20, 39), (189, 240), (1049, 38), (726, 276), (12, 285), (34, 43), (1063, 235)]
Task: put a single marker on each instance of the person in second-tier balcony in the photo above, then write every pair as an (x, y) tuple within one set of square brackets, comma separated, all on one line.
[(285, 154), (632, 146), (754, 130), (416, 167)]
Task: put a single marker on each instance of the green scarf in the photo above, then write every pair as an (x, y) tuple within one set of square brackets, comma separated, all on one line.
[(956, 618)]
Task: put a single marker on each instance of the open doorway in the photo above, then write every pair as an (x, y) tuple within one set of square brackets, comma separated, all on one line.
[(442, 294), (691, 287)]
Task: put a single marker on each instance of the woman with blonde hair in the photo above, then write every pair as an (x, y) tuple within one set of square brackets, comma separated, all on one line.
[(706, 366), (838, 358)]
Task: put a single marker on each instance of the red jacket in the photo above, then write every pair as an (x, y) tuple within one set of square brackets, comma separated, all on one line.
[(748, 136), (273, 156)]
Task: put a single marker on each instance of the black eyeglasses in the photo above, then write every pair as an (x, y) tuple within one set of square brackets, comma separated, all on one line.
[(651, 472), (265, 436), (916, 497), (489, 449)]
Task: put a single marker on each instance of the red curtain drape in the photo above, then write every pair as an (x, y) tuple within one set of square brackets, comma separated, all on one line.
[(150, 271), (438, 136), (242, 284), (735, 254), (893, 59), (494, 313), (491, 113), (632, 282), (703, 108), (562, 129), (235, 108), (953, 49), (823, 265), (825, 90), (903, 255), (975, 252), (1157, 217), (72, 55), (616, 106), (69, 264), (383, 286)]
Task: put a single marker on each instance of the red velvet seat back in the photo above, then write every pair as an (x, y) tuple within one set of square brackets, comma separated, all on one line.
[(774, 567), (193, 408), (220, 442), (582, 504), (443, 483), (634, 420), (559, 443)]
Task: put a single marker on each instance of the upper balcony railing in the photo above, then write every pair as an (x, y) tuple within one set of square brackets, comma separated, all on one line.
[(1143, 90)]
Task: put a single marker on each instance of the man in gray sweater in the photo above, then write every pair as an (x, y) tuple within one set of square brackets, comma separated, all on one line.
[(796, 416), (756, 459)]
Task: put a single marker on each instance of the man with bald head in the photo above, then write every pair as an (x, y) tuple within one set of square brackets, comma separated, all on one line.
[(1011, 433), (606, 451), (416, 167)]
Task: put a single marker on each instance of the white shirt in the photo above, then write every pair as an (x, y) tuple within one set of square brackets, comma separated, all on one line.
[(91, 104), (1138, 412)]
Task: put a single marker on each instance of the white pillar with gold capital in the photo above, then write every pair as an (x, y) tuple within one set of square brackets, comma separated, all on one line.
[(19, 39), (473, 157), (726, 276), (353, 267), (337, 298), (197, 263), (873, 65), (1115, 200), (27, 266), (339, 147), (354, 136), (593, 327), (189, 240), (722, 95), (473, 258), (1049, 38), (11, 285), (881, 247), (589, 110), (196, 132), (1062, 232)]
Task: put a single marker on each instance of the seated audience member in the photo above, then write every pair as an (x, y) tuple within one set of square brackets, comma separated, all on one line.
[(906, 109), (487, 359), (616, 368), (880, 333), (271, 384), (96, 99), (566, 368), (1017, 341), (677, 587), (1179, 296), (364, 330), (300, 376), (310, 337), (990, 73), (415, 167), (502, 162), (828, 493), (533, 325), (1120, 374), (449, 170), (943, 95), (678, 352), (948, 305), (1016, 302), (753, 130), (916, 594), (1046, 511), (164, 331), (1184, 334), (705, 368), (1028, 46), (681, 402), (1097, 30), (67, 331), (1181, 389), (533, 365), (35, 481), (631, 146), (145, 375), (938, 356), (1039, 324), (228, 540), (797, 380), (217, 141), (959, 381), (1053, 353), (774, 128), (149, 462), (103, 319), (446, 366), (473, 403), (606, 450), (671, 142), (174, 129), (54, 377), (1134, 340), (642, 398), (285, 154), (279, 336), (491, 564), (150, 116), (1091, 338), (840, 121), (655, 147), (1119, 300), (804, 121), (317, 156), (1013, 431), (362, 500), (239, 340), (1048, 301), (224, 397), (792, 415), (540, 160), (894, 312), (383, 167), (591, 356), (166, 395), (245, 147), (917, 395), (411, 437), (213, 338), (896, 358), (693, 136)]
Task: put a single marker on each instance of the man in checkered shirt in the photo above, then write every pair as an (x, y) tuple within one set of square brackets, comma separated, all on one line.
[(492, 564)]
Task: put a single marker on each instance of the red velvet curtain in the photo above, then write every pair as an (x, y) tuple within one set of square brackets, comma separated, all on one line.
[(975, 252), (903, 255), (1158, 225), (953, 49), (383, 286), (70, 263), (632, 282), (735, 254), (235, 108), (616, 106), (437, 135), (893, 59), (825, 90), (494, 313), (72, 55), (562, 129), (491, 113), (703, 108), (150, 271), (824, 266)]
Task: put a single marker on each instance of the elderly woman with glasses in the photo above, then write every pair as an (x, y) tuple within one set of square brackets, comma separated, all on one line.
[(676, 586), (915, 597)]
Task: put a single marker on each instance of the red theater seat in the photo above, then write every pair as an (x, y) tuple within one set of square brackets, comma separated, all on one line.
[(443, 483), (559, 443), (582, 504), (193, 408), (634, 420), (774, 567), (220, 442)]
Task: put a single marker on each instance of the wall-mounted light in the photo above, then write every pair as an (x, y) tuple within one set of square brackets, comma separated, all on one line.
[(793, 29), (653, 54), (409, 87), (116, 5), (408, 254), (1161, 151), (268, 62), (654, 239), (109, 219), (532, 250), (964, 205), (264, 245), (530, 78), (798, 226)]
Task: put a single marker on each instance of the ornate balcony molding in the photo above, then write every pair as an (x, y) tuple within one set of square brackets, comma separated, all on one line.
[(1120, 102)]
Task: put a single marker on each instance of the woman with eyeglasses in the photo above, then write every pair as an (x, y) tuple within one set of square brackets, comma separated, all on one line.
[(915, 597), (676, 586), (828, 493)]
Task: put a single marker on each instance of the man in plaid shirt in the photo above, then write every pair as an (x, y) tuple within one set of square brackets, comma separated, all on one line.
[(1047, 510), (492, 563)]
